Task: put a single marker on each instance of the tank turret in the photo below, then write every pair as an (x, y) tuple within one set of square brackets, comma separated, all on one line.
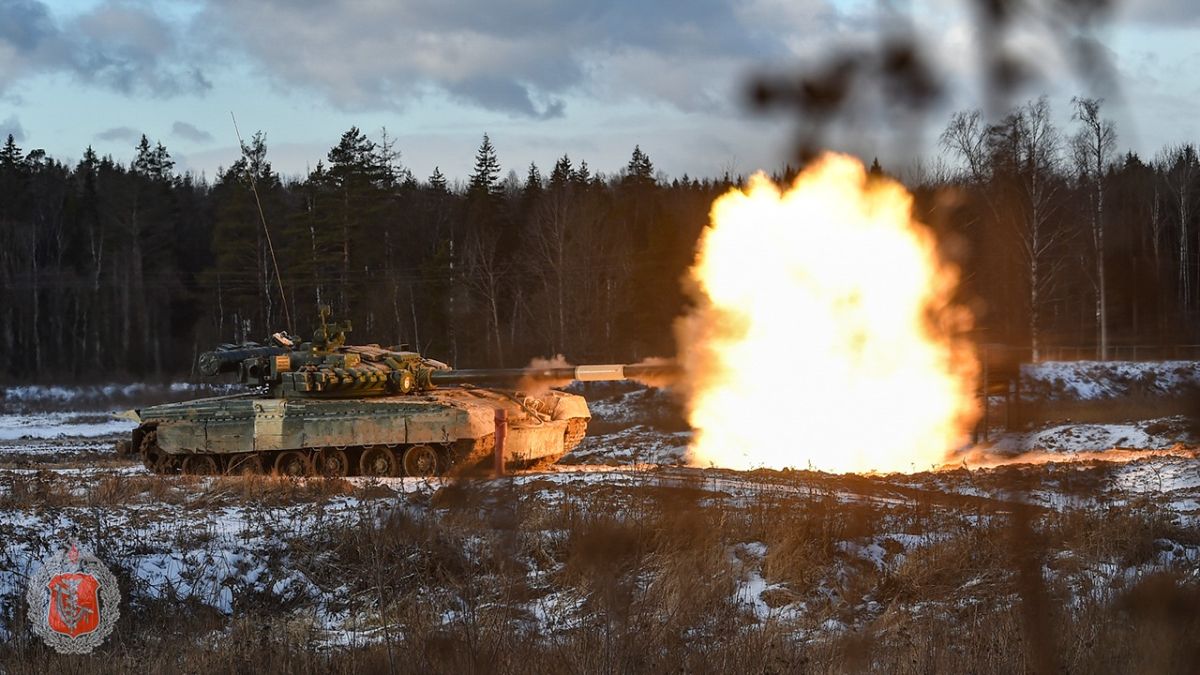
[(327, 367)]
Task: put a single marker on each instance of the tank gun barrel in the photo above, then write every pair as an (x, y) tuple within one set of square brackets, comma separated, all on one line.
[(229, 360), (586, 373)]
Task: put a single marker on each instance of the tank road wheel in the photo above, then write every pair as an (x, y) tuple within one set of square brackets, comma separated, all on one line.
[(333, 462), (293, 464), (165, 464), (576, 430), (421, 460), (200, 465), (251, 465), (148, 448), (152, 460), (378, 460)]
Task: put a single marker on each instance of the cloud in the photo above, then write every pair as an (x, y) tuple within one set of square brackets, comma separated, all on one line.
[(191, 133), (12, 127), (524, 58), (117, 45), (119, 134), (1168, 13)]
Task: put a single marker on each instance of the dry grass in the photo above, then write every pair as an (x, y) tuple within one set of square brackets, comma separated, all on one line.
[(648, 575), (51, 489)]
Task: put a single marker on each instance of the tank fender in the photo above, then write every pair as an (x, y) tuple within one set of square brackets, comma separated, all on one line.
[(569, 406), (481, 420)]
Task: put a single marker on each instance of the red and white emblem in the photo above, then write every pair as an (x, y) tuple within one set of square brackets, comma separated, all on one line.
[(73, 601), (74, 604)]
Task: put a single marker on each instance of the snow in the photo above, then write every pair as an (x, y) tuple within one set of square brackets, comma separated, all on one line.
[(61, 425), (872, 552), (1157, 434), (49, 448), (1167, 475), (557, 610), (641, 406), (755, 548), (91, 395), (833, 626), (751, 585), (232, 552), (225, 555), (1095, 380), (634, 445), (750, 591)]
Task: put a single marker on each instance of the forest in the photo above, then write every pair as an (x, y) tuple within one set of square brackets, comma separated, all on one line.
[(110, 269)]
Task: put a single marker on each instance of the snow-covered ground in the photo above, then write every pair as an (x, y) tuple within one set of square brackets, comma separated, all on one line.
[(1153, 434), (1099, 380), (235, 547), (103, 396), (60, 421), (204, 542), (214, 556), (48, 425)]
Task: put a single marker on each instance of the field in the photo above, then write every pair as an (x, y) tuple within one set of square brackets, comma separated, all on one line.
[(1070, 545)]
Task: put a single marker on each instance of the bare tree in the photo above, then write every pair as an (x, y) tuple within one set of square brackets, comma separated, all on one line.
[(967, 136), (485, 277), (1180, 168), (1014, 164), (1037, 165), (550, 230), (1092, 149)]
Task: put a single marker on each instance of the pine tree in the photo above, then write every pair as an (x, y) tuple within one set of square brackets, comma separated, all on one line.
[(533, 182), (639, 171), (388, 158), (582, 175), (243, 269), (253, 164), (355, 158), (357, 182), (437, 180), (561, 175), (154, 163), (90, 160), (484, 178), (163, 164), (10, 155)]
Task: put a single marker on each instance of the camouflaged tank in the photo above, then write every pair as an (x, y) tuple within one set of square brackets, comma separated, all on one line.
[(327, 408)]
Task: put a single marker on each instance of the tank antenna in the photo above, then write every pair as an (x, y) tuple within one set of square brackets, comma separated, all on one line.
[(287, 316)]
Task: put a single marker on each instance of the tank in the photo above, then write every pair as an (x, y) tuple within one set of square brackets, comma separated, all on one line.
[(324, 407)]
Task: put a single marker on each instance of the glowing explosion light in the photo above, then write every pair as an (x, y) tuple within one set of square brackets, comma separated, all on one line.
[(824, 334)]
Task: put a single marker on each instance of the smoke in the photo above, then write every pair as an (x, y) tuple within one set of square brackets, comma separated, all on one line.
[(536, 386), (666, 377)]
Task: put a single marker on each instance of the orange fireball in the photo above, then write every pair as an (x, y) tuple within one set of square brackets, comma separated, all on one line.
[(824, 334)]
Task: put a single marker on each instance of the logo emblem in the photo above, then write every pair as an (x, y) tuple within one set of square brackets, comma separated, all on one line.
[(73, 601)]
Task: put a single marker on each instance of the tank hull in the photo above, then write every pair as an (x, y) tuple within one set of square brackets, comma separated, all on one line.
[(457, 424)]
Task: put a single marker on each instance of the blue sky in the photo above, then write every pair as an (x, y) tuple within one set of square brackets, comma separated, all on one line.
[(543, 78)]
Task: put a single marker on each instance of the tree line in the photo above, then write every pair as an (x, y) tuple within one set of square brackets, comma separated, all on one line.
[(1070, 242), (133, 269)]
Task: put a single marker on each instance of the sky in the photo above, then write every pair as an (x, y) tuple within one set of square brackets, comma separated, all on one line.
[(589, 78)]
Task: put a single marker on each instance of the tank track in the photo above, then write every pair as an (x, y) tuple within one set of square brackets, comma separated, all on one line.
[(423, 460)]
